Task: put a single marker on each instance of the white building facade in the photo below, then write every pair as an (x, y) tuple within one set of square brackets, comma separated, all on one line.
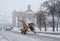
[(28, 14)]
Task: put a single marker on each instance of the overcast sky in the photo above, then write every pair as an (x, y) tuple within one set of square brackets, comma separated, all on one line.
[(8, 6)]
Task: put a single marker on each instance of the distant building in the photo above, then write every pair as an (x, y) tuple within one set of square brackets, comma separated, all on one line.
[(28, 14)]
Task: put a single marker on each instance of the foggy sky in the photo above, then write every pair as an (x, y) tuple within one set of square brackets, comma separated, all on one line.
[(8, 6)]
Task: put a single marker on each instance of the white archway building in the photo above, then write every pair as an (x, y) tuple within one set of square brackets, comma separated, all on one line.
[(28, 14)]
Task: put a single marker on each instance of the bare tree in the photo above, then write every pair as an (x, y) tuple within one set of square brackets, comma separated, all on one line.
[(51, 6), (58, 12), (40, 17), (45, 23)]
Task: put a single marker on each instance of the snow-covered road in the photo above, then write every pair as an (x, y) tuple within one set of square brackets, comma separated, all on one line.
[(10, 36)]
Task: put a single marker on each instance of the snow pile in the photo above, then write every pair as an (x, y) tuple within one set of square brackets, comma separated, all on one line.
[(50, 30), (30, 32), (15, 29), (37, 30)]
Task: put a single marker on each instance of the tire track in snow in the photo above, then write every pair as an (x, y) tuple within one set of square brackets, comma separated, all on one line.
[(4, 37)]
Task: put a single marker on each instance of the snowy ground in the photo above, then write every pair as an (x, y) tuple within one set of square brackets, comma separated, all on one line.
[(11, 36), (49, 30), (48, 33), (15, 35)]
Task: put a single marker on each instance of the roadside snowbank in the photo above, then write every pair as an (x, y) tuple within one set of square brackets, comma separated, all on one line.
[(15, 29)]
